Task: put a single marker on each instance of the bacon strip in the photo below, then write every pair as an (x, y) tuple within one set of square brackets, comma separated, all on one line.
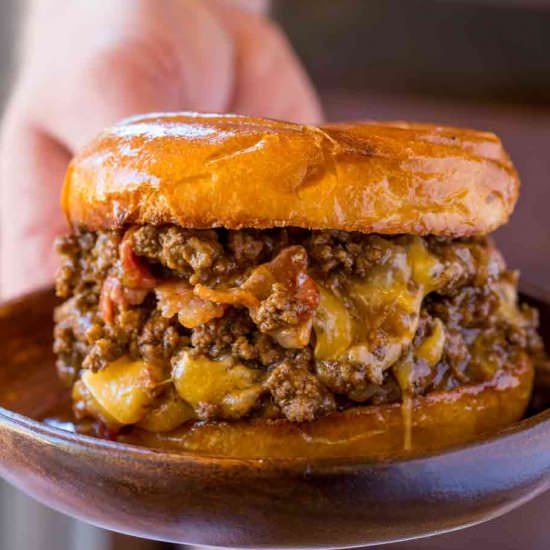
[(106, 301), (132, 288), (200, 304), (307, 294), (178, 298), (135, 273), (114, 293), (288, 268), (231, 296)]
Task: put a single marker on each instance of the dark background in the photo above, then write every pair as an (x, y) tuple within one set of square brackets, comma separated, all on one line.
[(492, 51)]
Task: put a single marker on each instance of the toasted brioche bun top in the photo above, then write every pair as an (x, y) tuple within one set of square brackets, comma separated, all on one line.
[(205, 170)]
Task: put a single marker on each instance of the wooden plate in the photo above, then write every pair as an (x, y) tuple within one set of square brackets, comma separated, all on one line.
[(246, 503)]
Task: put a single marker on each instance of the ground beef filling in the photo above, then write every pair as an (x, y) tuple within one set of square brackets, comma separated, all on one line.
[(162, 325)]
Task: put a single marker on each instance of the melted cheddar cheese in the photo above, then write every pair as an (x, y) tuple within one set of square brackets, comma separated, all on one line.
[(431, 349), (170, 413), (376, 325), (124, 388), (379, 318), (233, 389), (333, 326)]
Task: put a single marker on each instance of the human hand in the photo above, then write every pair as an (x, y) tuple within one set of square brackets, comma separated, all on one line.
[(86, 65)]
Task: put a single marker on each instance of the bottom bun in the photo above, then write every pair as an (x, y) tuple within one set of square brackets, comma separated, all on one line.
[(438, 419)]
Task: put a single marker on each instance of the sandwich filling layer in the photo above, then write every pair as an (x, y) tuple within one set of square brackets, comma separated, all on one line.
[(163, 325)]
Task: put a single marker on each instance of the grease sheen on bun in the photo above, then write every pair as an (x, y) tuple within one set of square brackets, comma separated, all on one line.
[(203, 170)]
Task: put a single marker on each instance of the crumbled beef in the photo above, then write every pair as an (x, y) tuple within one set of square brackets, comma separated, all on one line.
[(218, 336), (278, 309), (479, 338), (159, 339), (469, 262), (250, 247), (197, 255), (86, 258), (356, 380), (353, 253), (298, 393)]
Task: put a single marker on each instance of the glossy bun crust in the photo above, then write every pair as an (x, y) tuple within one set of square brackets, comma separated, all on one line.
[(203, 170), (438, 420)]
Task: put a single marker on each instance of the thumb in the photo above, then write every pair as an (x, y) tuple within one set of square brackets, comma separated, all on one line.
[(32, 164)]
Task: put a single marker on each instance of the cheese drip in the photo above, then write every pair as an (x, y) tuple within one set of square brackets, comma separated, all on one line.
[(373, 321)]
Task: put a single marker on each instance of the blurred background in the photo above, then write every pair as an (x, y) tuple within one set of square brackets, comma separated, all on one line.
[(478, 63)]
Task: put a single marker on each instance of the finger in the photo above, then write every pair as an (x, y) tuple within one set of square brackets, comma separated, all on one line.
[(51, 119), (164, 60), (270, 80), (254, 6), (30, 212)]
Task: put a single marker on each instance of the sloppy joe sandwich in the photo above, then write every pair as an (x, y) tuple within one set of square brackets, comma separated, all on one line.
[(245, 287)]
